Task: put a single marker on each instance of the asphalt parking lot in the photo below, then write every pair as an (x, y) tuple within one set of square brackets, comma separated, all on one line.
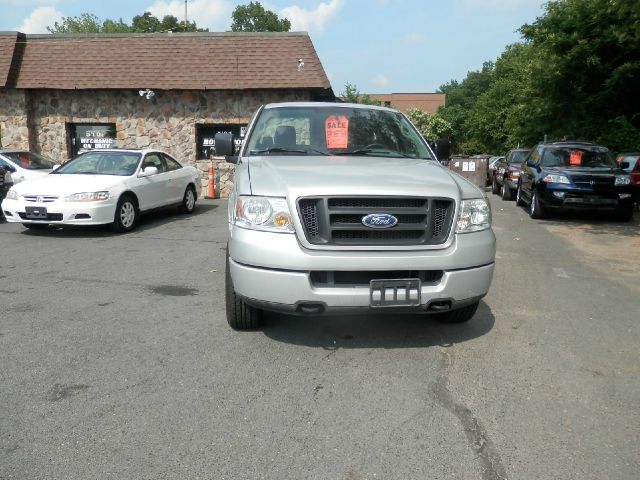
[(117, 362)]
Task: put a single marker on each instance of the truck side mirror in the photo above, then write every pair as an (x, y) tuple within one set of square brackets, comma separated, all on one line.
[(224, 144), (624, 165), (443, 147)]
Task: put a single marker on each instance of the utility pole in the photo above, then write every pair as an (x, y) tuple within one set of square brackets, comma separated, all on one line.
[(185, 15)]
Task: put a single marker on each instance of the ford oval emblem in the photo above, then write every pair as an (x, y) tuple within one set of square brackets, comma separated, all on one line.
[(379, 220)]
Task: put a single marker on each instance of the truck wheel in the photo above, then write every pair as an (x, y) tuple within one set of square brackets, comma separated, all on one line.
[(240, 316), (536, 210), (459, 315), (506, 191)]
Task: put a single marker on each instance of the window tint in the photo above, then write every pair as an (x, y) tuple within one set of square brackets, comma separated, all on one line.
[(102, 163), (30, 160), (171, 163)]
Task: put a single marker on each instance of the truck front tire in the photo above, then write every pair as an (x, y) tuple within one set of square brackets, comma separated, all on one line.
[(240, 315), (459, 315)]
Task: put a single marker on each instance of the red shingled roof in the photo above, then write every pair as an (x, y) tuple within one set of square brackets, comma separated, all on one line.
[(7, 51), (187, 61)]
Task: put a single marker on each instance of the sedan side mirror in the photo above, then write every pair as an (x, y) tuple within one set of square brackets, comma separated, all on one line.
[(148, 171), (55, 167)]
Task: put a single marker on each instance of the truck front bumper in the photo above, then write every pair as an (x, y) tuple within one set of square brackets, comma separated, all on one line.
[(274, 272)]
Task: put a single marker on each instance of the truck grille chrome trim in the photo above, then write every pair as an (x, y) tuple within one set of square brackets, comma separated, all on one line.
[(338, 220)]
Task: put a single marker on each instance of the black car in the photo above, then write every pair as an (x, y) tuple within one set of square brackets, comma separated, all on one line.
[(574, 175), (507, 171)]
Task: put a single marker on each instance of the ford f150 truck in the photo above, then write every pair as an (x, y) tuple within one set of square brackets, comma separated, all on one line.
[(344, 208)]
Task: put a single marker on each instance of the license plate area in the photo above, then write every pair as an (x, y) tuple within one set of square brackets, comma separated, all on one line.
[(35, 213), (394, 293)]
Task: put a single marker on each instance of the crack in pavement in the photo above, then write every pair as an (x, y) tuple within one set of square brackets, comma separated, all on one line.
[(480, 443)]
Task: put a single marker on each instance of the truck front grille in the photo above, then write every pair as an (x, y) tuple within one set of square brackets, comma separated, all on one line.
[(338, 220)]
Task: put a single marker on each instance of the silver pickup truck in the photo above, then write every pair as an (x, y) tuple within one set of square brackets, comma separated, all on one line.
[(343, 208)]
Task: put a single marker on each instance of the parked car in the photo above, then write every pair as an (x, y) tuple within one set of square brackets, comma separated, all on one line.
[(507, 171), (104, 186), (632, 160), (491, 165), (25, 165), (6, 181), (574, 175), (341, 207)]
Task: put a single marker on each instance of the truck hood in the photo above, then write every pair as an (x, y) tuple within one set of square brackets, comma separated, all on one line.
[(295, 177)]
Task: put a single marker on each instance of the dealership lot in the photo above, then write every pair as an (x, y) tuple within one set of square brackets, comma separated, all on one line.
[(117, 362)]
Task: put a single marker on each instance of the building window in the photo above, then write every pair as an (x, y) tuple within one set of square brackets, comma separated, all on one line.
[(89, 136), (387, 103), (205, 138)]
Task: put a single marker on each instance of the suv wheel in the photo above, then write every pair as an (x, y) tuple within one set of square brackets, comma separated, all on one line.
[(536, 210), (519, 200), (240, 316), (624, 214), (495, 188), (506, 191), (459, 315)]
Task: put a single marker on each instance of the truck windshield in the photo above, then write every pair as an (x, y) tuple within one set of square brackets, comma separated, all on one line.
[(335, 130)]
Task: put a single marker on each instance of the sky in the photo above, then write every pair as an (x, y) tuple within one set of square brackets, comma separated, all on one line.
[(380, 46)]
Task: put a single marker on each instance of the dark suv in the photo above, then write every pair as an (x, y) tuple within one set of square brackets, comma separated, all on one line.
[(507, 171), (574, 175)]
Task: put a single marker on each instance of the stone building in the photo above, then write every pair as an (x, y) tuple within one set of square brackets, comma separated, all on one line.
[(60, 94)]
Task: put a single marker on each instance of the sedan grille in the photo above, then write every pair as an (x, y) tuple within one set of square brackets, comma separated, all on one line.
[(40, 198), (338, 220)]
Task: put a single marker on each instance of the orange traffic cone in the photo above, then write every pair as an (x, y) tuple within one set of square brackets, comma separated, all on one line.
[(212, 182)]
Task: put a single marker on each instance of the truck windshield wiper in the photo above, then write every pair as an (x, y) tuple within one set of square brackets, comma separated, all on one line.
[(370, 151), (287, 150)]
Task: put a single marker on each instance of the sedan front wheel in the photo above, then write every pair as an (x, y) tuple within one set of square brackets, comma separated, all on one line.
[(126, 216)]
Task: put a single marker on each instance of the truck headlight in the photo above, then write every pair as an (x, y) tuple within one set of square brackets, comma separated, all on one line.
[(475, 215), (12, 194), (263, 213), (623, 180), (87, 197)]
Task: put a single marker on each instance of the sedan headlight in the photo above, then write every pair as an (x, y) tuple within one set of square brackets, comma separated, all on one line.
[(263, 213), (87, 197), (12, 194), (623, 180), (555, 179), (475, 215)]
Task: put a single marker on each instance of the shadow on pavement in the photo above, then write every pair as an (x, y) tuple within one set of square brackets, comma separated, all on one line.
[(374, 331), (148, 221)]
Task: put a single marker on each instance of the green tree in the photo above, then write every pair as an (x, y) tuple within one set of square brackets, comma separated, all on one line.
[(254, 18), (145, 23), (591, 69), (431, 126), (85, 23), (352, 95)]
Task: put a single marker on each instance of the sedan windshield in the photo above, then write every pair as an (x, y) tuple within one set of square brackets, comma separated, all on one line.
[(322, 130), (577, 157), (30, 160), (102, 163)]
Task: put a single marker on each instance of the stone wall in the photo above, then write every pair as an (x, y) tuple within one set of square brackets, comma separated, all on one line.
[(14, 130), (166, 122)]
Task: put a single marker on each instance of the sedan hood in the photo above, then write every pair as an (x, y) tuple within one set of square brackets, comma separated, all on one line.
[(61, 184), (295, 177)]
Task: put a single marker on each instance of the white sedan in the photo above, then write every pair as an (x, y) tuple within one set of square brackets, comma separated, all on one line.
[(24, 165), (104, 186)]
